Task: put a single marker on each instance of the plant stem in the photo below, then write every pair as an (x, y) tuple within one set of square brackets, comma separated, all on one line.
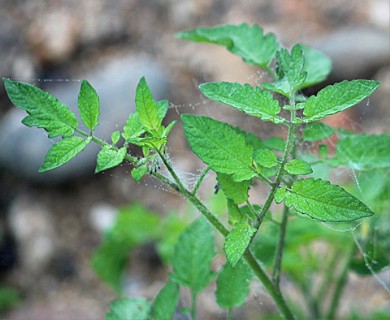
[(202, 176), (279, 250), (268, 285), (193, 305), (340, 285), (229, 314), (248, 256)]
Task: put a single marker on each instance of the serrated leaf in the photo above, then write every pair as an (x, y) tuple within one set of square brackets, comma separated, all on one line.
[(265, 158), (317, 131), (219, 145), (317, 66), (290, 70), (236, 191), (233, 285), (63, 151), (89, 105), (250, 100), (364, 152), (129, 308), (133, 127), (115, 136), (297, 166), (280, 194), (249, 43), (138, 172), (162, 109), (165, 303), (45, 111), (324, 201), (237, 241), (109, 157), (193, 254), (146, 106), (336, 98)]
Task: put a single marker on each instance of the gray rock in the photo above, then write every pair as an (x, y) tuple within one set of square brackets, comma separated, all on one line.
[(356, 52), (23, 149)]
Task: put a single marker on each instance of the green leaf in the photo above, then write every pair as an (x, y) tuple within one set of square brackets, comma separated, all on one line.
[(250, 100), (138, 172), (219, 145), (146, 107), (162, 109), (247, 42), (297, 166), (364, 152), (324, 201), (238, 240), (193, 254), (274, 143), (115, 136), (336, 98), (165, 303), (290, 70), (280, 194), (109, 157), (317, 131), (133, 127), (129, 308), (236, 191), (265, 158), (234, 212), (233, 285), (317, 66), (63, 151), (89, 105), (45, 111)]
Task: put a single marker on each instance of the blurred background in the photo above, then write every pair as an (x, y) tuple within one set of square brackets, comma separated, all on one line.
[(51, 223)]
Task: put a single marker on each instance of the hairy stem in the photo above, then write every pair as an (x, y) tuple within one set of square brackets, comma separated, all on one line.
[(202, 176)]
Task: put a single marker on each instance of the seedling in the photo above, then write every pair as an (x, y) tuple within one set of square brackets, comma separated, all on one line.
[(240, 160)]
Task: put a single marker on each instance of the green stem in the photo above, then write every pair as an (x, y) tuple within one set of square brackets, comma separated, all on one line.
[(202, 176), (229, 314), (340, 285), (193, 305), (274, 292), (279, 250)]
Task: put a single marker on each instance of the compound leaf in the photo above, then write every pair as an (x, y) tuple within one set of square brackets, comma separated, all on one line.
[(109, 157), (89, 105), (317, 131), (250, 100), (324, 201), (336, 98), (233, 285), (193, 254), (364, 152), (146, 107), (236, 191), (219, 145), (129, 308), (238, 240), (44, 110), (249, 43), (63, 151), (297, 166), (165, 303), (290, 70)]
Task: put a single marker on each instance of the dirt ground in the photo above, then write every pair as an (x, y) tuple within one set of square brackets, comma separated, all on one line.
[(50, 43)]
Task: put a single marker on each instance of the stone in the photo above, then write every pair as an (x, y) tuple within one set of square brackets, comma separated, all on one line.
[(356, 52), (23, 149)]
